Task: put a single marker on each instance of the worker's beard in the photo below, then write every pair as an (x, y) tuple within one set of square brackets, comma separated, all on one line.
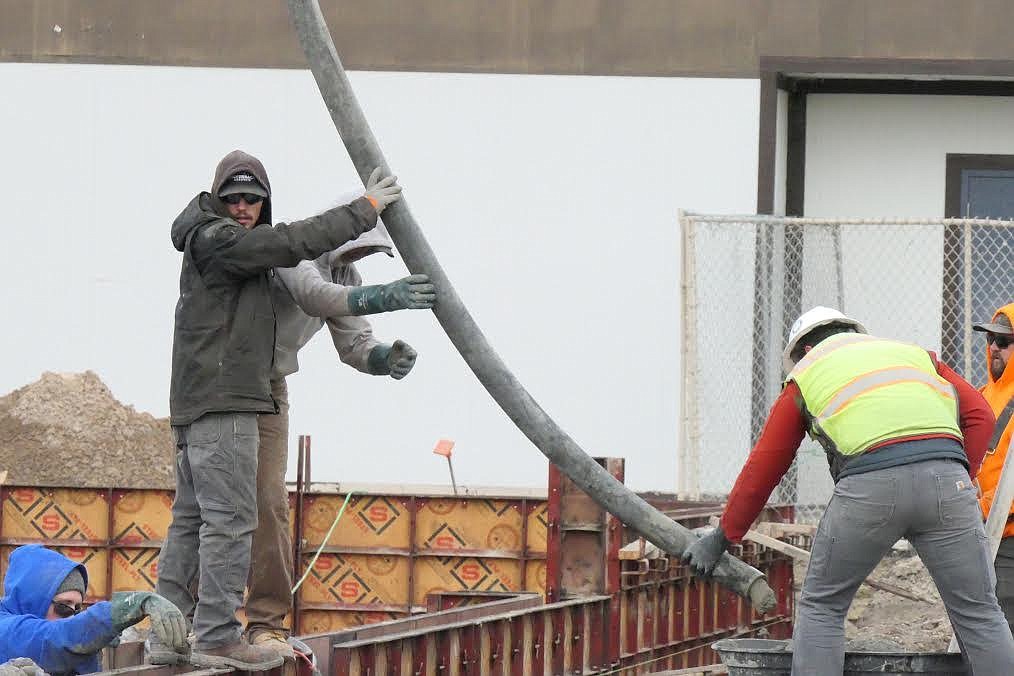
[(997, 364)]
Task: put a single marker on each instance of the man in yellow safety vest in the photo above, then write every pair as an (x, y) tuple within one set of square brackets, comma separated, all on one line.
[(903, 434)]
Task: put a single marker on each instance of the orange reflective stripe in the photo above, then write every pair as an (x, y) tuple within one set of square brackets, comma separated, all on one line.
[(888, 376)]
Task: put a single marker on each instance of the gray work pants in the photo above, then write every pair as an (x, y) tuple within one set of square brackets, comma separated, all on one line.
[(934, 506), (213, 518), (1005, 577)]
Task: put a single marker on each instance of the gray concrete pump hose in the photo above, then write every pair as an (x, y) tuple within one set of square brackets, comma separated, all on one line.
[(469, 340)]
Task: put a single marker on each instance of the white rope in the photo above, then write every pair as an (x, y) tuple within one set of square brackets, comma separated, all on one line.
[(324, 543)]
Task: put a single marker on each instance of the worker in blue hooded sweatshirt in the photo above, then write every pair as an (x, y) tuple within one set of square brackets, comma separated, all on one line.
[(41, 614)]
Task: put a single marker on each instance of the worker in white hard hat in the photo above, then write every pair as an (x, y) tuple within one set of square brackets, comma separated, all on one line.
[(904, 435)]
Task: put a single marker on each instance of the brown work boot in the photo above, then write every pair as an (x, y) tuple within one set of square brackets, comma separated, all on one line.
[(274, 639), (240, 655)]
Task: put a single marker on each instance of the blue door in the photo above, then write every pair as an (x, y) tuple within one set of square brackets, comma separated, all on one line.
[(986, 193)]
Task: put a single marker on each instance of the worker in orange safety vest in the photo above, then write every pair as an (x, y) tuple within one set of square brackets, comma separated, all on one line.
[(999, 392)]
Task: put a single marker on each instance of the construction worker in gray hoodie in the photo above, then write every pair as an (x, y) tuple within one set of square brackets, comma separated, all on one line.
[(223, 351), (306, 297)]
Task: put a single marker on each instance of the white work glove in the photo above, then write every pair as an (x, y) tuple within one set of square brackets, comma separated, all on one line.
[(382, 191)]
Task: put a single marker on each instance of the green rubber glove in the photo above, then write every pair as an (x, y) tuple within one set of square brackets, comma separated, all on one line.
[(393, 360), (21, 666), (167, 622), (703, 555), (409, 293)]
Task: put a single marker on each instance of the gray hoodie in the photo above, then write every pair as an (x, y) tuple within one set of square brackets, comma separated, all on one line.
[(315, 292)]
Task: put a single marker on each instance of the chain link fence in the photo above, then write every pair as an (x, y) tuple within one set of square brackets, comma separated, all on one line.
[(747, 278)]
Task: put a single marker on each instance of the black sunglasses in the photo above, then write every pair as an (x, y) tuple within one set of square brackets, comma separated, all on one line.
[(1000, 341), (247, 197), (65, 610)]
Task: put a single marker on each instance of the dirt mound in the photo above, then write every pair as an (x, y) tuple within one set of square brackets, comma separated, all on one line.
[(67, 429), (916, 625)]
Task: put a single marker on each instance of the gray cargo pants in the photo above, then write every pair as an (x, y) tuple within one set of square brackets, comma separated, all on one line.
[(214, 516), (933, 504), (1005, 577)]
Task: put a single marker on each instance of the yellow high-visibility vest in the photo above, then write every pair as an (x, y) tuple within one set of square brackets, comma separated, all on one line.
[(861, 391)]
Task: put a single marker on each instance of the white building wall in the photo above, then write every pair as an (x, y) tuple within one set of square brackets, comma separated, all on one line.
[(875, 156), (550, 201), (885, 155)]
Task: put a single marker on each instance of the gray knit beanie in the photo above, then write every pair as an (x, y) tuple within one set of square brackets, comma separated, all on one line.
[(73, 582)]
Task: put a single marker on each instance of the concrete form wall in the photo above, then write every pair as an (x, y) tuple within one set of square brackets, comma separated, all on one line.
[(388, 552)]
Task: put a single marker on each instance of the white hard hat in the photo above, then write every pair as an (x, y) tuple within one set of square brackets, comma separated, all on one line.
[(809, 320)]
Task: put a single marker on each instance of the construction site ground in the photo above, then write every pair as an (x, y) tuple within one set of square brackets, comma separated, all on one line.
[(878, 616)]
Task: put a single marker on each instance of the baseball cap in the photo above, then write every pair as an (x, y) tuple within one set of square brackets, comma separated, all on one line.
[(242, 182), (1000, 324)]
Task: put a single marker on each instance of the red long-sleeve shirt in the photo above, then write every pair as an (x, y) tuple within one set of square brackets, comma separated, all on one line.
[(784, 431)]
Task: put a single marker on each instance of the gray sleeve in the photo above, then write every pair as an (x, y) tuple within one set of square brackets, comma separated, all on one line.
[(352, 336), (353, 339), (313, 293)]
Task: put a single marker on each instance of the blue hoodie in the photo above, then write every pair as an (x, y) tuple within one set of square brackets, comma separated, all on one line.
[(69, 645)]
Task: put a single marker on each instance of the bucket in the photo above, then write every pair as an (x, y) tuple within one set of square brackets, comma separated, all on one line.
[(765, 657)]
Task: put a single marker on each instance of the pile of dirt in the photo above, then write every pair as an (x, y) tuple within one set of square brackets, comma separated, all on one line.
[(916, 625), (67, 429)]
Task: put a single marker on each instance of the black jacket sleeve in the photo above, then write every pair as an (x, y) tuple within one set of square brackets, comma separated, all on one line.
[(228, 249)]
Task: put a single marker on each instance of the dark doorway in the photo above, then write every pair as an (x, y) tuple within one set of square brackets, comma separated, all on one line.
[(978, 186)]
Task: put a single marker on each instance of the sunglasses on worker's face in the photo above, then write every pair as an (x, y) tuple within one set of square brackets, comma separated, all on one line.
[(65, 610), (1001, 342), (247, 197)]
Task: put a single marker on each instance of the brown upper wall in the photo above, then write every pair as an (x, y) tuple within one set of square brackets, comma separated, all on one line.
[(589, 37)]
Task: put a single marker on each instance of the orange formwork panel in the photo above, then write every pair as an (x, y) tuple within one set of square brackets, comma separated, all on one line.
[(323, 621), (77, 514), (479, 525), (460, 573), (537, 526), (369, 521), (356, 580), (141, 516)]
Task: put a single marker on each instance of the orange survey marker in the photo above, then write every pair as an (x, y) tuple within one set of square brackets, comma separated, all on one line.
[(444, 447)]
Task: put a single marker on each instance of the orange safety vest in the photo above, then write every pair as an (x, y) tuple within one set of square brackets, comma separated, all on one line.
[(998, 393)]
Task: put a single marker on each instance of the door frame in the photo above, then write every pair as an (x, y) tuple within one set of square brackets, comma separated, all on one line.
[(960, 162)]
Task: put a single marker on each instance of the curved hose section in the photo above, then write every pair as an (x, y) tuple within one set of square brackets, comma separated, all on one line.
[(469, 340)]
